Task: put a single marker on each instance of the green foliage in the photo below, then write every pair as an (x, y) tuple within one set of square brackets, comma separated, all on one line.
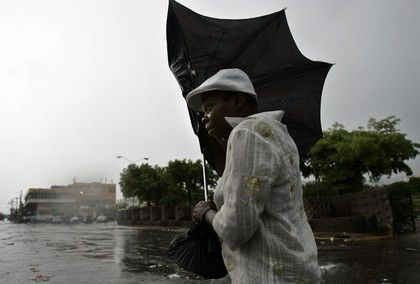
[(146, 182), (187, 176), (414, 185), (121, 204), (179, 183), (341, 158), (400, 195), (405, 198), (318, 189), (398, 189)]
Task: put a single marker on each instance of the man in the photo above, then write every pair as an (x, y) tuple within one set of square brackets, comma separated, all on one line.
[(258, 212)]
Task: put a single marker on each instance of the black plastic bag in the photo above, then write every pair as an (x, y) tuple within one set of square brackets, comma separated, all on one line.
[(199, 251)]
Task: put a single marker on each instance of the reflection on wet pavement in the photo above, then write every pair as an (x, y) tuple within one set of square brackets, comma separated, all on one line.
[(386, 261), (107, 253), (94, 253)]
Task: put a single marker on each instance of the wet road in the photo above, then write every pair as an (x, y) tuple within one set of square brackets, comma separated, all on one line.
[(385, 261), (107, 253)]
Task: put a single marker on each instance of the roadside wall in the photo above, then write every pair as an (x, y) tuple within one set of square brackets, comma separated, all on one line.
[(372, 206)]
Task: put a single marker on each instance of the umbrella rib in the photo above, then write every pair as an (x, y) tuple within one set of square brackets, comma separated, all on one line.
[(257, 34), (213, 55), (290, 72)]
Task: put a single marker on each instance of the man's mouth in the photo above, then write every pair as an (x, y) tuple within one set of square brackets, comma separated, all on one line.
[(211, 131)]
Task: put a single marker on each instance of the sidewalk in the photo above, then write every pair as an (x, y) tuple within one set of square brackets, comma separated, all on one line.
[(348, 237)]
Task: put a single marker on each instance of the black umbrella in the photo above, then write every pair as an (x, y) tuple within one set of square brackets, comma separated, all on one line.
[(199, 46)]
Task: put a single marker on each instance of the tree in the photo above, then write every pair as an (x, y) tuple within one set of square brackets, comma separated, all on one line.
[(187, 176), (342, 158), (146, 182), (180, 182), (121, 204)]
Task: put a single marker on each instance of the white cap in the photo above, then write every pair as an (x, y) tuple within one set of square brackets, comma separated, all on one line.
[(232, 80)]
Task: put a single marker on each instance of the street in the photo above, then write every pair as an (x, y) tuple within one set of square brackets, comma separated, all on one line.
[(108, 253)]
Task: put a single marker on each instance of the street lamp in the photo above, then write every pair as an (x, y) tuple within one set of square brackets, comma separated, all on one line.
[(144, 158), (122, 157)]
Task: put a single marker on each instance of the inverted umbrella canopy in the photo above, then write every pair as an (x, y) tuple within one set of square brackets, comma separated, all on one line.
[(263, 47)]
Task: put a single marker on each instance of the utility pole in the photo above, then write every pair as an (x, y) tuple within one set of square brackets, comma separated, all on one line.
[(20, 208), (12, 211), (16, 209), (14, 203)]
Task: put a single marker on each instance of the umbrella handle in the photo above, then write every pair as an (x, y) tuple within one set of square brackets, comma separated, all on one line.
[(204, 179)]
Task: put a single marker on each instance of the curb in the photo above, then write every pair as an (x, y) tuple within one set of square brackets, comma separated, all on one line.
[(349, 238)]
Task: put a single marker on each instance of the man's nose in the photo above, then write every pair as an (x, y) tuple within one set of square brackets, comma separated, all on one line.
[(205, 119)]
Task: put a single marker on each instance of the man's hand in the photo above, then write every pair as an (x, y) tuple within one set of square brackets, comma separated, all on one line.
[(201, 209)]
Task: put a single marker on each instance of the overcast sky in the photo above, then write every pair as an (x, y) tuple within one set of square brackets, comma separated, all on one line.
[(84, 81)]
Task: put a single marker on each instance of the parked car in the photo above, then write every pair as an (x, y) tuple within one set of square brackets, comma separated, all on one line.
[(56, 220), (87, 220), (74, 220), (102, 219)]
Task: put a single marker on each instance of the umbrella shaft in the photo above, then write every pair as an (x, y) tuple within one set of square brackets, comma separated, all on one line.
[(204, 179)]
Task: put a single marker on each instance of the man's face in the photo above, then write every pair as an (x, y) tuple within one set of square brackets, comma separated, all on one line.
[(216, 107)]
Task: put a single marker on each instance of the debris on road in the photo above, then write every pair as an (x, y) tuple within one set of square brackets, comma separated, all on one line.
[(41, 277)]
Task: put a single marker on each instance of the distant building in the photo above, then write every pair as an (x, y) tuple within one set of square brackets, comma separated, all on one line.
[(41, 204), (77, 199)]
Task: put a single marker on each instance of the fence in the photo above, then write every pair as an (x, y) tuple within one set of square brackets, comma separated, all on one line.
[(160, 215), (371, 210)]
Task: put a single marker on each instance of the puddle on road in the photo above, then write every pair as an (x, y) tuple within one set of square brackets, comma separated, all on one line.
[(329, 267), (98, 255)]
